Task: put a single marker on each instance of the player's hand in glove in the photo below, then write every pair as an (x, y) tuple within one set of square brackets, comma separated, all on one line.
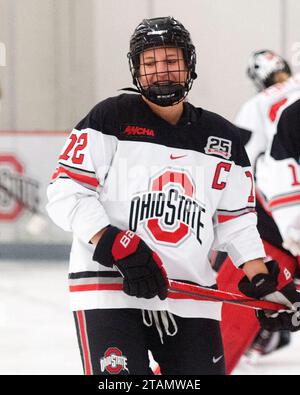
[(276, 286), (142, 270)]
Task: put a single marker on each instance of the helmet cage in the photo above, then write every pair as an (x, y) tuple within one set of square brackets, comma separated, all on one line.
[(162, 33)]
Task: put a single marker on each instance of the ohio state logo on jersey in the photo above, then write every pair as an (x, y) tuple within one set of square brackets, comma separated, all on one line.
[(113, 361), (169, 210)]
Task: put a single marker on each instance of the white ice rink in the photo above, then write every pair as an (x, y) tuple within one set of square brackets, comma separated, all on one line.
[(37, 335)]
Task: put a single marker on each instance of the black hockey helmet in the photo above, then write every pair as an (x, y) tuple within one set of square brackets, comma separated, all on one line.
[(163, 32), (262, 67)]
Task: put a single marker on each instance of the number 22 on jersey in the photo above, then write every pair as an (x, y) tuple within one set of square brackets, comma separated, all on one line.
[(76, 144)]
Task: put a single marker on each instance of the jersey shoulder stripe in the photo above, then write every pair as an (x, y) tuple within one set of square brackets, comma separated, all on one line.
[(128, 118)]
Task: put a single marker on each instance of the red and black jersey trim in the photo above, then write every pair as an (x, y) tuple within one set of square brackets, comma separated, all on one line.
[(113, 115), (83, 177), (91, 274), (83, 340), (227, 215), (95, 281), (284, 200)]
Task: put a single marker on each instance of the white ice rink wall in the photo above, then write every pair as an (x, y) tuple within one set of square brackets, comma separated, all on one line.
[(63, 56)]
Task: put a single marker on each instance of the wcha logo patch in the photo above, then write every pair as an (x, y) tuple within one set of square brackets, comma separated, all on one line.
[(138, 131)]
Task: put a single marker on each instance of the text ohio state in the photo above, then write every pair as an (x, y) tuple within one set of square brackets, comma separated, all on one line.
[(170, 207)]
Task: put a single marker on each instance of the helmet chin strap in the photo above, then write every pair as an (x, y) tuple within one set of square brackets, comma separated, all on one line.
[(165, 95), (162, 95)]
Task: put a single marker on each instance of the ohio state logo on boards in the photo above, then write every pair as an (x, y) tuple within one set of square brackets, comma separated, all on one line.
[(16, 190), (168, 210), (113, 361)]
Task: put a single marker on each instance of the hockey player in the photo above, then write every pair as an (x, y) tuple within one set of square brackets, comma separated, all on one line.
[(272, 76), (147, 183), (277, 89), (284, 163)]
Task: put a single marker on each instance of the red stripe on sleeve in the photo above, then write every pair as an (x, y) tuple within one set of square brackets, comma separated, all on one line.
[(281, 201), (77, 177), (95, 287), (225, 218)]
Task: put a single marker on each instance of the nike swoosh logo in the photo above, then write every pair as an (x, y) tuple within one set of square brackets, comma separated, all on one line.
[(215, 360), (176, 157)]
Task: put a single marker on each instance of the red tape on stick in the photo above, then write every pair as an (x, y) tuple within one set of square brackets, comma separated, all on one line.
[(180, 290)]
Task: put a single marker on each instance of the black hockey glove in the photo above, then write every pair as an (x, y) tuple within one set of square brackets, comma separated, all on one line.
[(142, 270), (276, 286)]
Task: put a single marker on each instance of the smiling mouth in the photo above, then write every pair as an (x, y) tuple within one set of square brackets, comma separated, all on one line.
[(164, 83)]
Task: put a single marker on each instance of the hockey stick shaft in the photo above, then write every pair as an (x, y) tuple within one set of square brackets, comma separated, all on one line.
[(180, 290)]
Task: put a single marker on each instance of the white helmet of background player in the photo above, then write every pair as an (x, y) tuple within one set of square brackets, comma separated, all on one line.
[(263, 66), (163, 32)]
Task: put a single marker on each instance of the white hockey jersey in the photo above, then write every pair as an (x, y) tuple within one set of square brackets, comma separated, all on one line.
[(260, 114), (183, 189), (279, 170)]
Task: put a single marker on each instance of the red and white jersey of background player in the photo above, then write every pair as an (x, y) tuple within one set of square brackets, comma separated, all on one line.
[(182, 189), (283, 165), (260, 114), (276, 183)]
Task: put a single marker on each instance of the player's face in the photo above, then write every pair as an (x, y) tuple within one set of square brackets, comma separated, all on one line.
[(160, 66)]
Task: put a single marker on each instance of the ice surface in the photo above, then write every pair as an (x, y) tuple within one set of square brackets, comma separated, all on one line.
[(37, 334)]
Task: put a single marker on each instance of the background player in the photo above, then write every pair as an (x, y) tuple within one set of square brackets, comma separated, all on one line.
[(277, 89), (258, 117), (272, 76), (284, 163)]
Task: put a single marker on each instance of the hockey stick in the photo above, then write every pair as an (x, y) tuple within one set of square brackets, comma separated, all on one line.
[(180, 290)]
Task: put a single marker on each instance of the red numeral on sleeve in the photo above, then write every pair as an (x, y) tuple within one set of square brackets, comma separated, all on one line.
[(294, 175), (251, 198), (81, 142), (65, 154)]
